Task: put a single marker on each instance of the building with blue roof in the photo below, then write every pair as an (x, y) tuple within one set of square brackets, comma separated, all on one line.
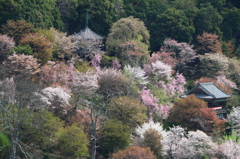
[(214, 96)]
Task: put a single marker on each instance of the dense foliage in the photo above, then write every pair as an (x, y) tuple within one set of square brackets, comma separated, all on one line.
[(65, 95)]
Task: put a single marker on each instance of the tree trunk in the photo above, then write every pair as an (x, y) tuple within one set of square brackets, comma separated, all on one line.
[(93, 140)]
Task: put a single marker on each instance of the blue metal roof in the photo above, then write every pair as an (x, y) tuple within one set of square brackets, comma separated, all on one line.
[(211, 90)]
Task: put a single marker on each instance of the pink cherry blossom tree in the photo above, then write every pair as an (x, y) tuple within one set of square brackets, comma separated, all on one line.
[(57, 72), (151, 102), (177, 54), (116, 64), (175, 86), (21, 66)]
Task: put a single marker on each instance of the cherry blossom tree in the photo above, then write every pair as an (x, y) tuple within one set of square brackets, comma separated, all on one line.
[(96, 60), (180, 54), (116, 64), (195, 144), (227, 82), (172, 140), (234, 120), (178, 143), (6, 43), (151, 102), (112, 82), (64, 44), (136, 74), (157, 68), (229, 149), (141, 130), (20, 66), (57, 72), (84, 83), (175, 86)]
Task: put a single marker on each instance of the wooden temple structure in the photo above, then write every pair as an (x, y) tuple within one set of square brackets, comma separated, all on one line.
[(214, 96)]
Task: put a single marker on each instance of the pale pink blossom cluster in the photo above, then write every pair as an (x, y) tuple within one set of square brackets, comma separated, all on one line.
[(56, 94), (176, 54), (57, 72), (96, 60), (227, 82), (229, 149), (180, 144), (116, 64), (151, 102), (6, 43), (175, 86), (24, 64), (159, 69)]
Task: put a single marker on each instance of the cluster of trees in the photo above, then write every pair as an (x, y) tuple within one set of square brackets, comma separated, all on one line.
[(182, 20), (122, 101)]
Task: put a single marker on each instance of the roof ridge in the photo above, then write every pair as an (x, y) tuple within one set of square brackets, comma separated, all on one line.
[(205, 90)]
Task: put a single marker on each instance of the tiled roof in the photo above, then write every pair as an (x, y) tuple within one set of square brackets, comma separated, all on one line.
[(89, 34), (211, 90)]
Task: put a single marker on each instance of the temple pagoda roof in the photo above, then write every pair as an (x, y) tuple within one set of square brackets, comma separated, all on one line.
[(87, 33), (207, 91)]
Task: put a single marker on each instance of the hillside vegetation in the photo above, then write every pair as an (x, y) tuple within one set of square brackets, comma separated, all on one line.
[(63, 95)]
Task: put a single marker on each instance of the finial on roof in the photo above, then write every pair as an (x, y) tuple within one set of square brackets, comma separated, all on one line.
[(86, 24)]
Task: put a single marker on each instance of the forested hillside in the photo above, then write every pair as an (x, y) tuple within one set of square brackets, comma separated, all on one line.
[(103, 78)]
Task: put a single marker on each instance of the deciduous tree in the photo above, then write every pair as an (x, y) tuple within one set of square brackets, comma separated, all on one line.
[(135, 152), (129, 111), (20, 66), (17, 29), (212, 122), (180, 56), (124, 30), (41, 46), (208, 43), (115, 137), (64, 45), (112, 82), (150, 135), (73, 142), (185, 110)]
